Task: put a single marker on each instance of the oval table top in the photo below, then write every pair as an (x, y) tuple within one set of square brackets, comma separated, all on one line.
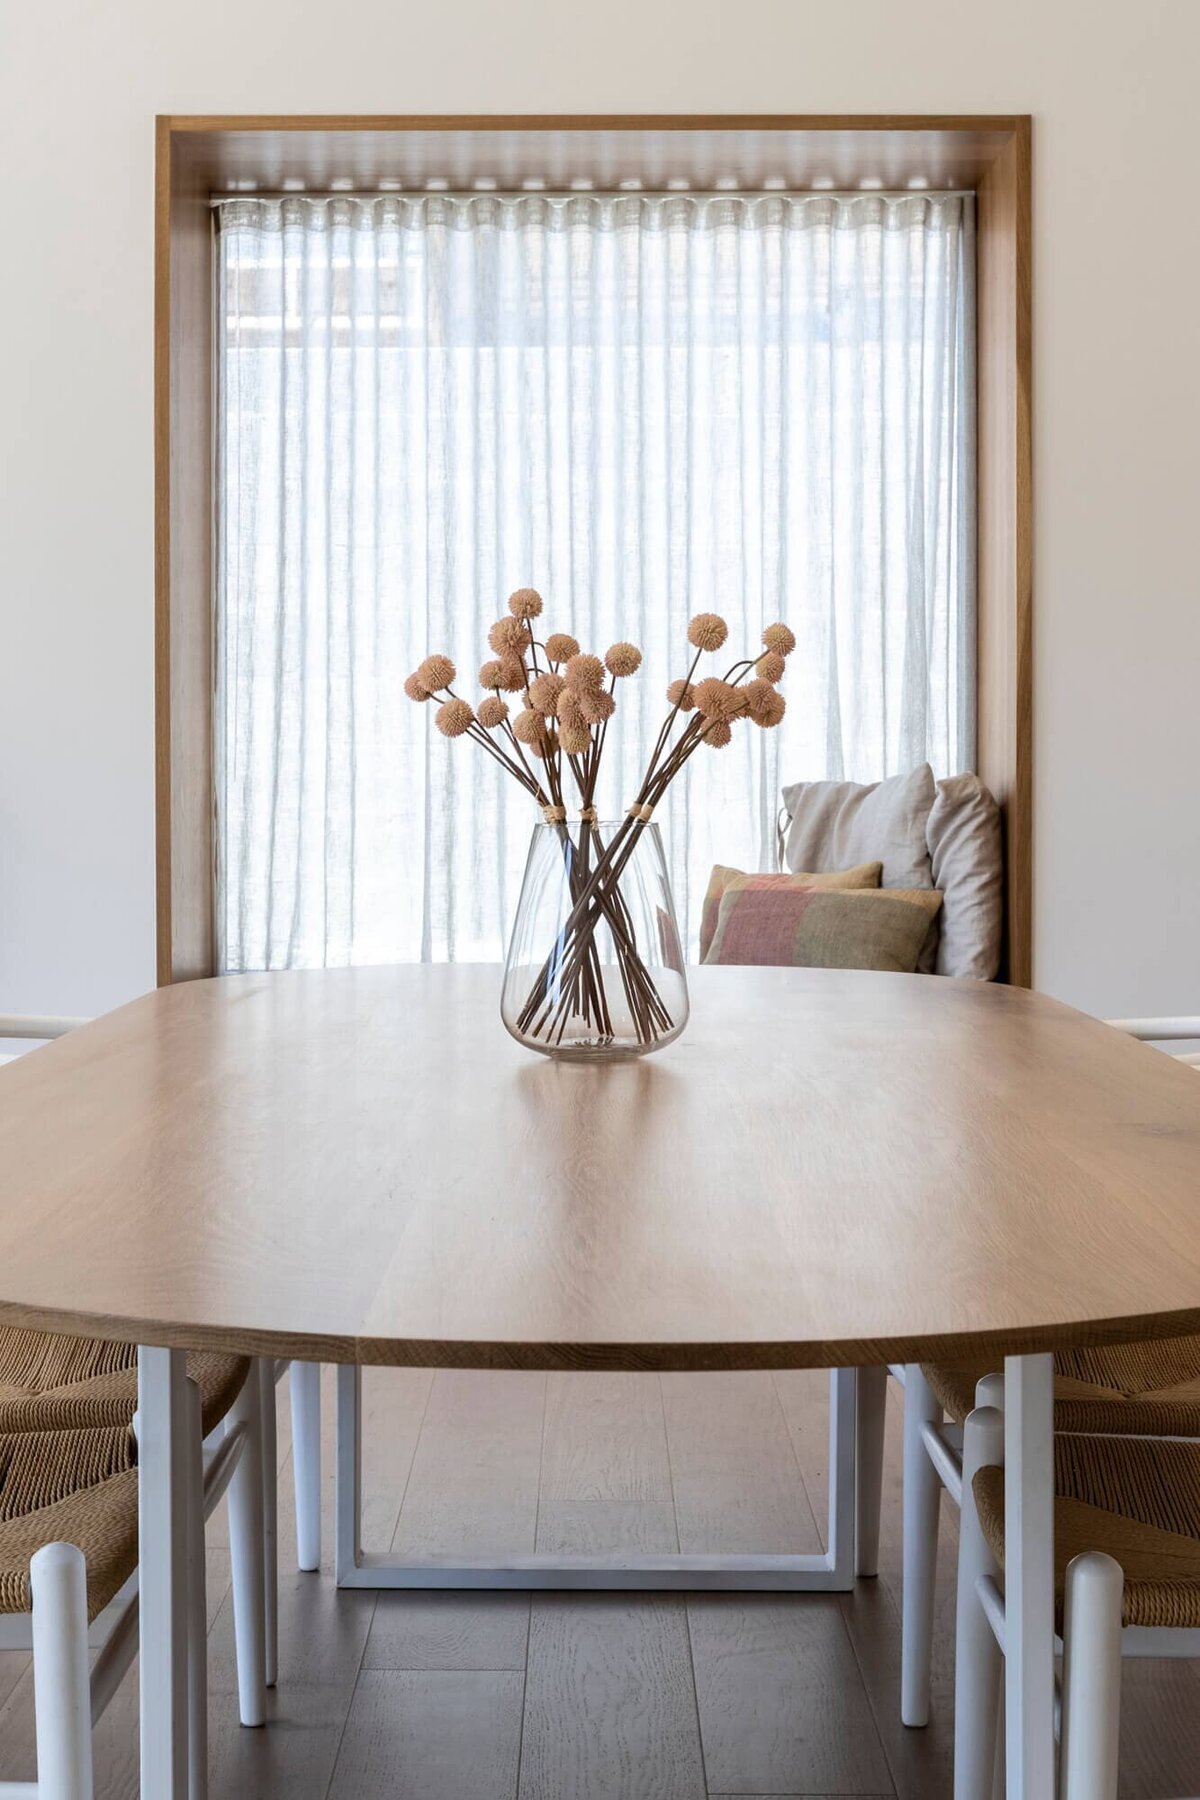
[(827, 1168)]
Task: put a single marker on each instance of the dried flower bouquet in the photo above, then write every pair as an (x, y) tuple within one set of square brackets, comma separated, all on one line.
[(554, 739)]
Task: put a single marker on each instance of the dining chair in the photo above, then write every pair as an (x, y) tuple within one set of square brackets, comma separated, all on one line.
[(68, 1561), (1134, 1390), (1127, 1581), (305, 1398)]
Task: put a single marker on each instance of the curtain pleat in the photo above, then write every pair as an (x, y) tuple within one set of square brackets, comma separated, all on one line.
[(761, 406)]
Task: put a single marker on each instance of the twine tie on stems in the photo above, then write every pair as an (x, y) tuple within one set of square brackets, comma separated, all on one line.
[(589, 816), (554, 815), (644, 813)]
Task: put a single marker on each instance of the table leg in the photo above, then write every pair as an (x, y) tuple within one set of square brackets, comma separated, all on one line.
[(827, 1571), (162, 1560), (1029, 1575), (870, 1415), (348, 1500), (843, 1485)]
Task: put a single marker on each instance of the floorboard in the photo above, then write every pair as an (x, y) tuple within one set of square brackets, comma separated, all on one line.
[(448, 1631), (473, 1485), (781, 1701), (427, 1735), (736, 1480), (605, 1440), (610, 1706)]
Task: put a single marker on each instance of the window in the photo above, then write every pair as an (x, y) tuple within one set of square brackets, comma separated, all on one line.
[(644, 407)]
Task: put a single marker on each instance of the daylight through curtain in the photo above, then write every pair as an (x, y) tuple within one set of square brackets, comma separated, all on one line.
[(646, 408)]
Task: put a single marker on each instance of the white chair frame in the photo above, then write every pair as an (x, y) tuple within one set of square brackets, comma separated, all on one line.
[(1087, 1709), (933, 1460), (68, 1699)]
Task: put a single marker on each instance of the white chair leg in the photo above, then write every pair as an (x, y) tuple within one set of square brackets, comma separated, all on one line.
[(1091, 1685), (990, 1392), (922, 1495), (197, 1604), (978, 1661), (62, 1700), (246, 1553), (871, 1407), (265, 1371), (306, 1461), (1000, 1775)]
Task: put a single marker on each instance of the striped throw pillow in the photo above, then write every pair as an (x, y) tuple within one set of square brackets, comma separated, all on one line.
[(866, 875), (823, 928)]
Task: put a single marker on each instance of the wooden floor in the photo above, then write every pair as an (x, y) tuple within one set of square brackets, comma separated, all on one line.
[(598, 1697)]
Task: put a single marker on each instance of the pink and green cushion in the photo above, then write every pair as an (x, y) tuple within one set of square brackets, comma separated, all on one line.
[(866, 875), (808, 927)]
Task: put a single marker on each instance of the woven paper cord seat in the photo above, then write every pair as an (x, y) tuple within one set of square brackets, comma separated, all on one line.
[(74, 1487), (62, 1384), (1137, 1501), (1152, 1387)]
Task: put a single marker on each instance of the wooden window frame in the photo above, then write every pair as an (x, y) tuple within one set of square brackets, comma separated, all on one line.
[(198, 156)]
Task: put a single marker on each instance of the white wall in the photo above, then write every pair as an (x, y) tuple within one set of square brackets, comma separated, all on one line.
[(1117, 427)]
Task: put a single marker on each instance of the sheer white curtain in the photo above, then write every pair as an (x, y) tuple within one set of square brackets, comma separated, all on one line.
[(645, 408)]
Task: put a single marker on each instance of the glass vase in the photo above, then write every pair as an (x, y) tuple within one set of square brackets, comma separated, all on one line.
[(595, 967)]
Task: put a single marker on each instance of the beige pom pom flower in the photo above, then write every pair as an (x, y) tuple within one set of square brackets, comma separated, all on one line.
[(491, 674), (545, 746), (492, 712), (780, 638), (771, 666), (529, 727), (707, 631), (623, 659), (454, 717), (570, 713), (596, 705), (544, 693), (508, 637), (683, 695), (525, 603), (766, 705), (576, 740), (561, 646), (583, 672), (415, 688), (718, 735), (436, 672), (513, 676), (719, 699)]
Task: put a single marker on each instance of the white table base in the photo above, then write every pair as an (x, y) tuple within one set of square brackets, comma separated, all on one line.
[(1029, 1576), (162, 1430), (830, 1572)]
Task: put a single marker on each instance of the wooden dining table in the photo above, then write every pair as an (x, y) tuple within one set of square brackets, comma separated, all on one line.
[(829, 1169)]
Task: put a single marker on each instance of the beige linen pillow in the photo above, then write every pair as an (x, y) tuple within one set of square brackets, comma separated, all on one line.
[(823, 928), (836, 824), (967, 863), (866, 875)]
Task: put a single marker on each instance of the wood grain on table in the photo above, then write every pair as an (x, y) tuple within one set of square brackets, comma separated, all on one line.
[(828, 1167)]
